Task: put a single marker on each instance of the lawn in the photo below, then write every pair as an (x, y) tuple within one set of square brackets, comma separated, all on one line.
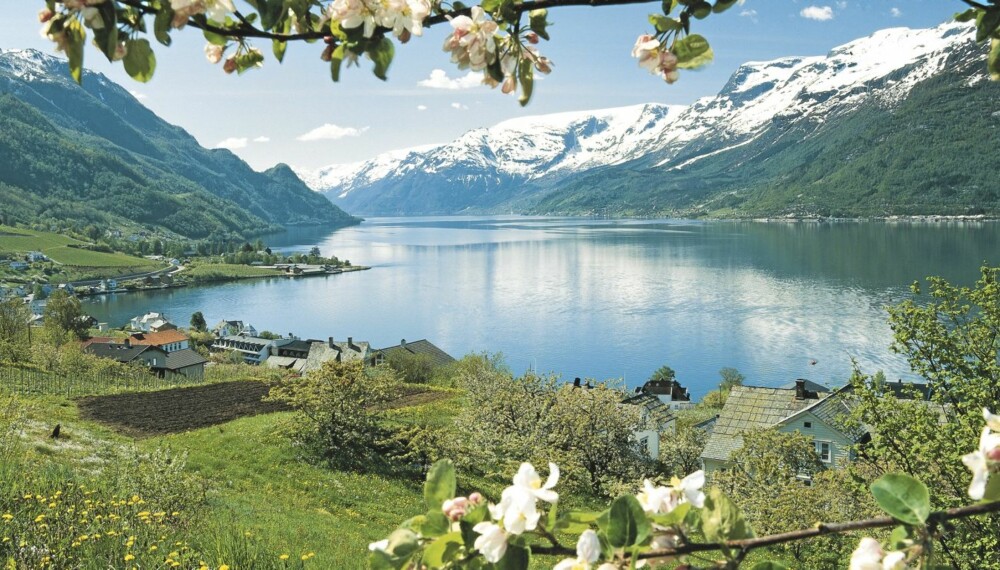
[(57, 247), (226, 271)]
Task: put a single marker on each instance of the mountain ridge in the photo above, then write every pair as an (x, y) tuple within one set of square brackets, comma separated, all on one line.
[(687, 164), (189, 190)]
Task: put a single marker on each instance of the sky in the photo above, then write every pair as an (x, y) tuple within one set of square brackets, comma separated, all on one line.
[(293, 113)]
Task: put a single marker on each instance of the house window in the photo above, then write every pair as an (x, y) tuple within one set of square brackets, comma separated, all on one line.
[(825, 451), (809, 424)]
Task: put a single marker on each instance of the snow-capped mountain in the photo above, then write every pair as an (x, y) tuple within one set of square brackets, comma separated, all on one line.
[(661, 158)]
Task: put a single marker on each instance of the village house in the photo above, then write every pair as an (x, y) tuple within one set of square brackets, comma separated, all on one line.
[(35, 256), (658, 419), (232, 328), (168, 340), (422, 347), (18, 265), (292, 355), (803, 406), (670, 392), (254, 350), (151, 322), (185, 363), (349, 351)]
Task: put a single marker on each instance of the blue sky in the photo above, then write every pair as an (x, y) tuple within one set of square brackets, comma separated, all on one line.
[(264, 114)]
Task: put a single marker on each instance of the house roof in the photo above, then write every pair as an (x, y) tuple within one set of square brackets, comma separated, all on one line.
[(119, 352), (286, 363), (298, 345), (159, 338), (321, 352), (183, 359), (94, 339), (808, 384), (423, 347), (832, 411), (747, 408), (656, 411)]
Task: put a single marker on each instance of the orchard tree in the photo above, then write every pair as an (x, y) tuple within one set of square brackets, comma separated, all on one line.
[(499, 38), (63, 315), (198, 321), (14, 332)]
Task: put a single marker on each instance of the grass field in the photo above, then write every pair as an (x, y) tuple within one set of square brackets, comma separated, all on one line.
[(57, 247), (225, 271)]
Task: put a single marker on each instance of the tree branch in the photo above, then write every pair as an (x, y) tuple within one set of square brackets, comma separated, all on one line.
[(820, 529)]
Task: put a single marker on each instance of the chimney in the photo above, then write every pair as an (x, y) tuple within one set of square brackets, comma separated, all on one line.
[(350, 342), (576, 382), (402, 343), (128, 343), (330, 342), (800, 389)]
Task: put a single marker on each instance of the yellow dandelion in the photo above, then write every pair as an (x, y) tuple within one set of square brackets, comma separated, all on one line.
[(224, 567), (129, 557), (283, 557), (7, 516), (39, 518)]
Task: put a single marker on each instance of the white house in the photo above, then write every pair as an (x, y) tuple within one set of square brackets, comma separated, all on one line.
[(151, 322)]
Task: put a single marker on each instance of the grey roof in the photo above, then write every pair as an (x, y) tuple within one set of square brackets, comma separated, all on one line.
[(321, 352), (297, 345), (809, 385), (183, 358), (119, 352), (286, 362), (655, 411), (747, 408), (423, 347)]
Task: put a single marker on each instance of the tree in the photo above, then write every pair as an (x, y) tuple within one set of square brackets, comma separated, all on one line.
[(14, 332), (587, 431), (949, 337), (198, 321), (411, 368), (731, 378), (314, 252), (505, 50), (662, 374), (63, 315), (339, 410), (680, 452)]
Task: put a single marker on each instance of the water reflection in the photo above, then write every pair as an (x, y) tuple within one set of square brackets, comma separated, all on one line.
[(608, 298)]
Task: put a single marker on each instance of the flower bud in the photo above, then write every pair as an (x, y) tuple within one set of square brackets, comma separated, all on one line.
[(993, 454), (45, 15), (213, 53), (230, 65), (509, 85), (327, 54), (404, 36), (328, 40), (543, 65), (120, 52), (476, 498), (532, 37)]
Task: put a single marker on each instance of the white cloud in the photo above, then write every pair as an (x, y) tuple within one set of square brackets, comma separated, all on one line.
[(421, 107), (262, 139), (819, 13), (749, 13), (233, 143), (460, 106), (440, 80), (331, 132), (137, 95), (895, 12)]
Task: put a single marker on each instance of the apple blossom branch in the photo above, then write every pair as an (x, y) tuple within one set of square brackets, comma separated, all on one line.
[(820, 529)]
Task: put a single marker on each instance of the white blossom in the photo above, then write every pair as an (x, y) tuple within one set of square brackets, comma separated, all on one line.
[(654, 58), (662, 500), (472, 43), (588, 551), (527, 478), (354, 13), (867, 556), (381, 545), (982, 461), (492, 541), (214, 10), (213, 53), (406, 16)]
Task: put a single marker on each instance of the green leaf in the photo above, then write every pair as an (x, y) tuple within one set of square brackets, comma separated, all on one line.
[(106, 37), (507, 11), (435, 524), (993, 483), (402, 544), (490, 6), (723, 5), (74, 48), (537, 21), (271, 12), (336, 59), (627, 523), (899, 537), (516, 558), (575, 522), (966, 16), (674, 517), (993, 65), (443, 550), (664, 24), (278, 48), (986, 22), (526, 76), (163, 23), (382, 53), (215, 39), (668, 6), (440, 485), (769, 565), (721, 520), (692, 52), (902, 497), (701, 10)]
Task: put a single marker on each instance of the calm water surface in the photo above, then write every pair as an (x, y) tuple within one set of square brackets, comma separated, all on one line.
[(606, 299)]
